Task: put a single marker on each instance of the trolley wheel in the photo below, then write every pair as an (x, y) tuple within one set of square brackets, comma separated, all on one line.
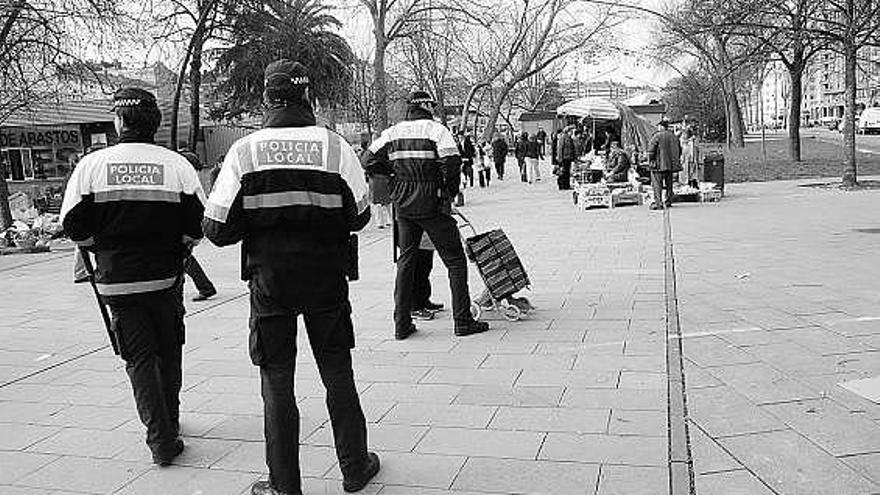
[(512, 313), (476, 310)]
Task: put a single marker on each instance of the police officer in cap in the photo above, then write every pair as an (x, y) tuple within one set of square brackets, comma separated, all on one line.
[(293, 192), (423, 158), (138, 207)]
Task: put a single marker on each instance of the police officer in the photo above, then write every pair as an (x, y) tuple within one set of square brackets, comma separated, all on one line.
[(138, 207), (422, 156), (293, 192)]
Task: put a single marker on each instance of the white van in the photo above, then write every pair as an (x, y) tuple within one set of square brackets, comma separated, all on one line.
[(869, 121)]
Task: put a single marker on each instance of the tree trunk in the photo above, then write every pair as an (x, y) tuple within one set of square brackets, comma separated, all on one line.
[(380, 90), (198, 38), (489, 131), (850, 176), (5, 212), (195, 83), (796, 72), (465, 113), (735, 122)]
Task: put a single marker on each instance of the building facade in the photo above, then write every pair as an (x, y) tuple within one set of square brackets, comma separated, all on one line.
[(824, 84)]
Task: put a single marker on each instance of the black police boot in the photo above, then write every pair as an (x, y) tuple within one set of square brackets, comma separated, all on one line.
[(358, 482), (433, 306), (471, 328), (164, 456), (406, 333)]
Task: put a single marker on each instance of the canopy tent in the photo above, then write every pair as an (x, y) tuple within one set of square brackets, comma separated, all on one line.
[(633, 130), (592, 107)]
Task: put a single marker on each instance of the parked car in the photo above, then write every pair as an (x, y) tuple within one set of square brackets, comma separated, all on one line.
[(830, 123), (869, 121)]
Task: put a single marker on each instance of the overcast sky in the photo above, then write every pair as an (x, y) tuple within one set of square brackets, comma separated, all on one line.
[(634, 36)]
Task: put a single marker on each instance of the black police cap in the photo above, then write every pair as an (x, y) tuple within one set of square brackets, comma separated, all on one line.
[(133, 97), (284, 72), (420, 97)]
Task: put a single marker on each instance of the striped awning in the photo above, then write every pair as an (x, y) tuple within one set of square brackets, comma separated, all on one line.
[(592, 106)]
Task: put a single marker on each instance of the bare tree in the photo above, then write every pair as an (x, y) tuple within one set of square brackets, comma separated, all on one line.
[(849, 25), (535, 35), (43, 54)]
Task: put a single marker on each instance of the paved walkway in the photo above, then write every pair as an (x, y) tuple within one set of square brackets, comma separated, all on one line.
[(571, 400)]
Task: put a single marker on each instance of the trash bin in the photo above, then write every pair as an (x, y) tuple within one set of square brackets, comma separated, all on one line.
[(713, 169)]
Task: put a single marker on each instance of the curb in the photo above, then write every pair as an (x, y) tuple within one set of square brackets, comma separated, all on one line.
[(681, 466)]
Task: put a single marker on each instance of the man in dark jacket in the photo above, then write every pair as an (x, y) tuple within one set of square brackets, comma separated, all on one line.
[(293, 192), (191, 265), (138, 207), (664, 158), (618, 164), (425, 162), (565, 156), (499, 154)]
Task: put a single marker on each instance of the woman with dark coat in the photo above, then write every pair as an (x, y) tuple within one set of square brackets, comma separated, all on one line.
[(520, 151), (468, 153)]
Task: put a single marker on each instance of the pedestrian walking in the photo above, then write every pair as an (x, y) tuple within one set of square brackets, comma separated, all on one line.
[(484, 164), (499, 154), (292, 193), (422, 155), (542, 142), (532, 153), (520, 150), (191, 266), (138, 207), (380, 191), (689, 157), (468, 152), (564, 157), (664, 154)]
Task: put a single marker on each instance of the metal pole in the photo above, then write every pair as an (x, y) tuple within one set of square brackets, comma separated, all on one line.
[(105, 314)]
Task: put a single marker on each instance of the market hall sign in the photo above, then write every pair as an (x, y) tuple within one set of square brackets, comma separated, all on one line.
[(40, 137)]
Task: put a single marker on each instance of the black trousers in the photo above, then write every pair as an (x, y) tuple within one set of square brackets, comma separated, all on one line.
[(563, 180), (523, 177), (485, 175), (273, 348), (444, 234), (499, 168), (192, 268), (150, 332), (661, 180), (422, 278)]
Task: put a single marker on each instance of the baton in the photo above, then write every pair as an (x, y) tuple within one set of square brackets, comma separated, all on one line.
[(105, 314), (394, 234)]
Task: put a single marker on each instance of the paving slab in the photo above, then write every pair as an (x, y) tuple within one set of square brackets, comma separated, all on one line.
[(188, 480), (789, 463), (739, 482), (633, 480), (519, 476), (84, 474), (605, 449), (832, 427), (484, 443), (16, 465)]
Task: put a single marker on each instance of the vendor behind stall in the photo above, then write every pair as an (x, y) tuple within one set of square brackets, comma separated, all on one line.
[(617, 163)]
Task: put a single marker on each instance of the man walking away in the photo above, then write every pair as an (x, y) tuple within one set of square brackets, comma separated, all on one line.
[(191, 266), (532, 153), (138, 207), (664, 159), (541, 135), (422, 155), (293, 192), (499, 154)]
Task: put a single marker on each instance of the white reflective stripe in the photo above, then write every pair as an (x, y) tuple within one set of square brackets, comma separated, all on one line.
[(137, 195), (292, 198), (216, 212), (122, 289), (443, 152), (404, 154)]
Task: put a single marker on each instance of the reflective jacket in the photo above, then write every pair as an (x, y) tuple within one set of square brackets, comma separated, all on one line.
[(132, 204), (292, 192), (423, 160)]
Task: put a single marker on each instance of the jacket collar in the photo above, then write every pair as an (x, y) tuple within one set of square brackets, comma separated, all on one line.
[(418, 113), (289, 116), (135, 136)]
